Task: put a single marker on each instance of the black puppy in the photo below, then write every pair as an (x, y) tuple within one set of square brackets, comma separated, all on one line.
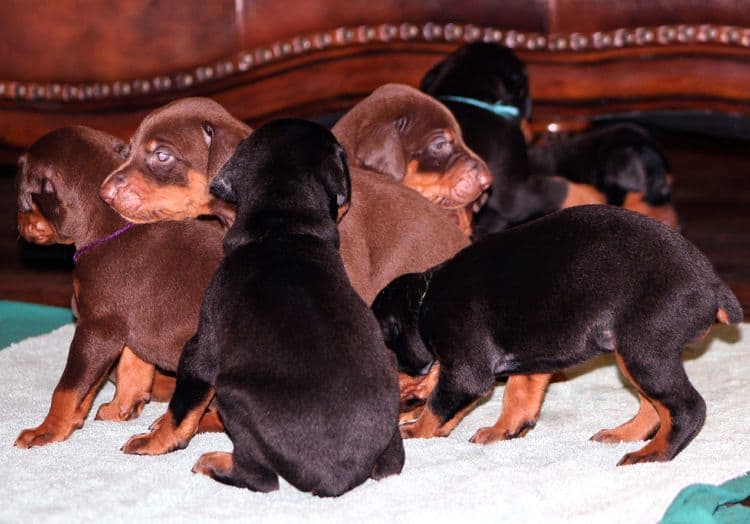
[(303, 381), (486, 88), (622, 161), (552, 293)]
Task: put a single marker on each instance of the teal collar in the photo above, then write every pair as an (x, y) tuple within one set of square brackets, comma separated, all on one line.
[(498, 108)]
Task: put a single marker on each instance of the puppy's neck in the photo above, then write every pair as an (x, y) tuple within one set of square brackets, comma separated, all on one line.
[(271, 224)]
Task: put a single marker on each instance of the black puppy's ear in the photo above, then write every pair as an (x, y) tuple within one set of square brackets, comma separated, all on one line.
[(624, 170), (337, 183), (382, 150)]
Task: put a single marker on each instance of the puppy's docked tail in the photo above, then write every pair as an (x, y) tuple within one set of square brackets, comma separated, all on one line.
[(729, 309)]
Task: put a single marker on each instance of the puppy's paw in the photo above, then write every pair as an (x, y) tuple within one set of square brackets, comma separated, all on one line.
[(216, 464), (639, 456), (40, 436), (150, 444), (487, 436), (156, 424), (117, 412)]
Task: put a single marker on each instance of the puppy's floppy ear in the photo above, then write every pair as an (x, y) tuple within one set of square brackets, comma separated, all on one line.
[(624, 169), (382, 150), (221, 139), (337, 182)]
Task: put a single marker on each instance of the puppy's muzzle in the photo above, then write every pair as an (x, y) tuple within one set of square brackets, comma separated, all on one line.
[(473, 179), (114, 183)]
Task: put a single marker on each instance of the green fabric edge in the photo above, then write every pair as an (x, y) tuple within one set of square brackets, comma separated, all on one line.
[(709, 504), (20, 320)]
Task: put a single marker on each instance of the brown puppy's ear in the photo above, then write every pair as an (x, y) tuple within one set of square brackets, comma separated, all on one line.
[(25, 185), (221, 141), (382, 150)]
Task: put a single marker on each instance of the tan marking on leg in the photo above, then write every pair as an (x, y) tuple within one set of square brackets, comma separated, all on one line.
[(167, 436), (425, 426), (211, 422), (664, 213), (133, 390), (216, 463), (415, 390), (428, 423), (582, 194), (641, 427), (656, 449), (162, 387), (66, 414), (522, 403), (445, 429)]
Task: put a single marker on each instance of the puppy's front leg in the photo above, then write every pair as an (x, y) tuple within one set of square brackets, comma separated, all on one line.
[(134, 380), (458, 389), (89, 359), (522, 402), (193, 393)]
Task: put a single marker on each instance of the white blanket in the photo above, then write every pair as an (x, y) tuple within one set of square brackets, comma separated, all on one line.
[(555, 474)]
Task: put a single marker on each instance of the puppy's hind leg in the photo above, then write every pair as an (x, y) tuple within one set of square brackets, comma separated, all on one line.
[(391, 461), (680, 408), (221, 467), (133, 388)]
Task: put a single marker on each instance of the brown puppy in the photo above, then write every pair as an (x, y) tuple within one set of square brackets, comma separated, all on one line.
[(173, 154), (411, 137), (389, 230), (136, 289)]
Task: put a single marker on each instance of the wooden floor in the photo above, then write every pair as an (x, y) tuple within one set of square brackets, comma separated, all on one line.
[(712, 196)]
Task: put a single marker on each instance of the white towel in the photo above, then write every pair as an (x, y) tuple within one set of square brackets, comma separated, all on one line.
[(554, 474)]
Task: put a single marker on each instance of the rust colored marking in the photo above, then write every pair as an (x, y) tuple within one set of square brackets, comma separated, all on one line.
[(343, 210), (415, 390), (664, 213), (66, 414), (722, 316), (522, 403), (656, 450), (134, 380), (441, 188), (162, 387), (35, 228), (445, 429), (218, 463), (166, 436), (462, 218), (642, 426), (582, 194), (141, 200), (210, 422), (425, 427)]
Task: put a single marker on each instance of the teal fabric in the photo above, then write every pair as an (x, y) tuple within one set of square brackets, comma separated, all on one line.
[(20, 320), (708, 504)]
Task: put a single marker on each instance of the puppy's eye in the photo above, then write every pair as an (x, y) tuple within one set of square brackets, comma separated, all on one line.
[(439, 146), (163, 156), (125, 152)]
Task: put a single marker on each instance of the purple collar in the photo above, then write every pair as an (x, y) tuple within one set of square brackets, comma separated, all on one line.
[(100, 241)]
